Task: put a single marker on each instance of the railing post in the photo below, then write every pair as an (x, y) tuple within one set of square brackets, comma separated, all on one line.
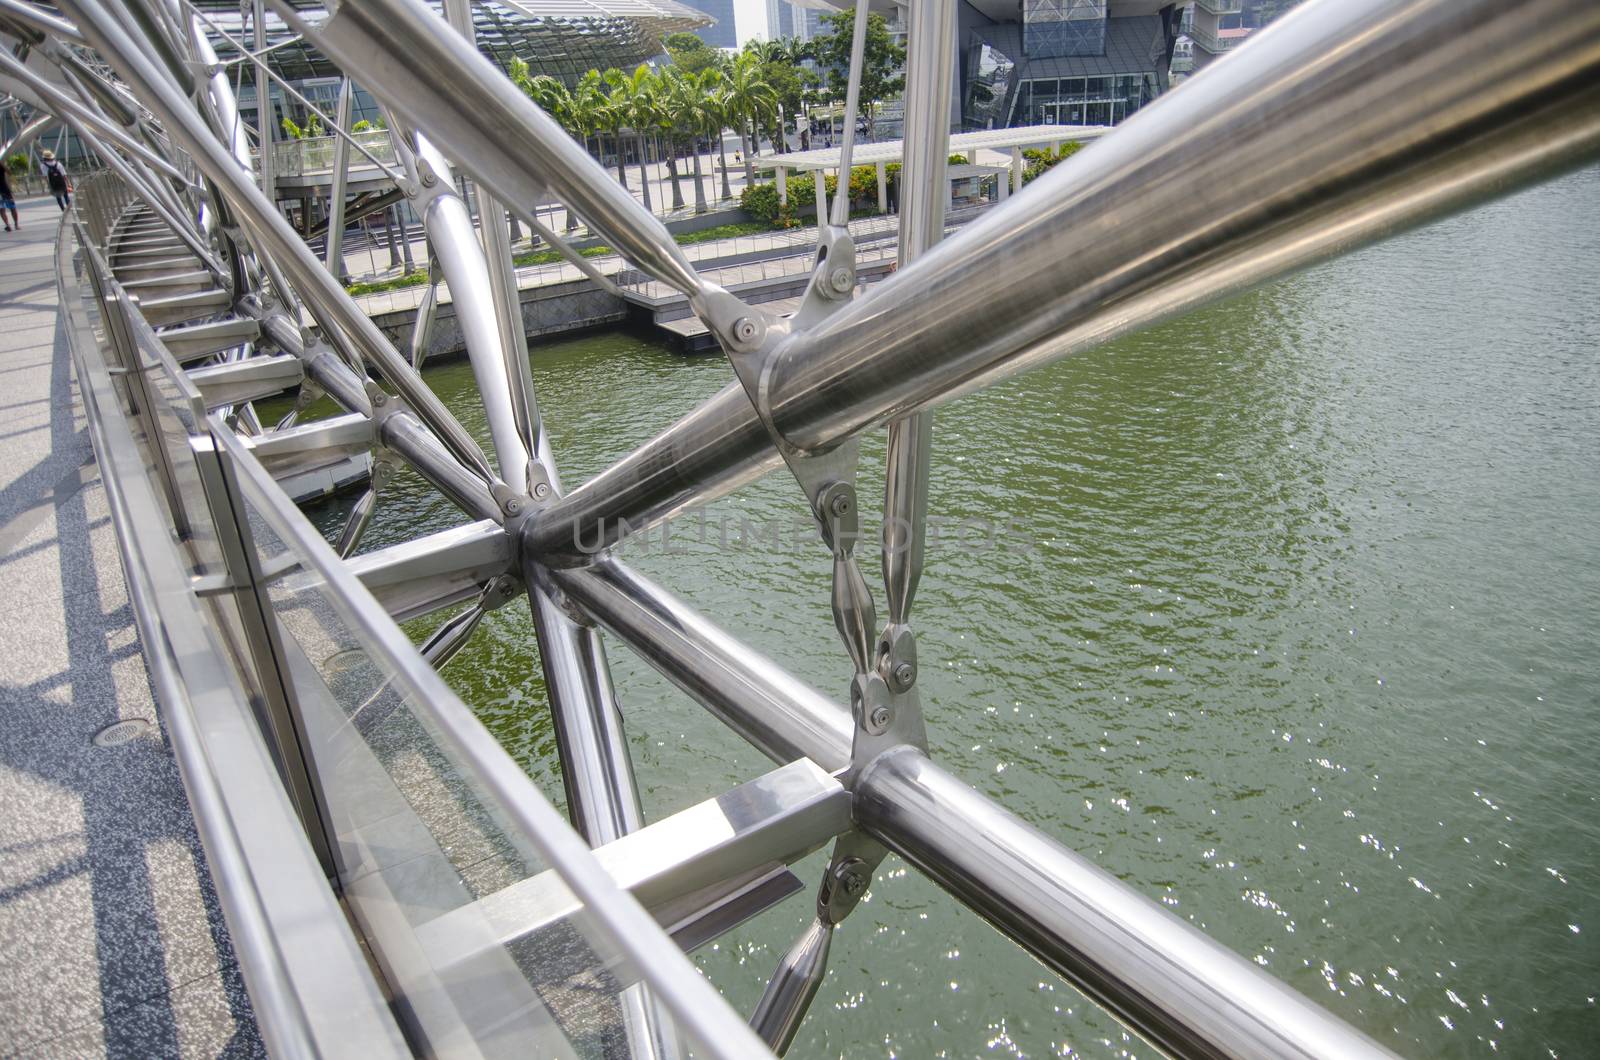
[(275, 701), (131, 367)]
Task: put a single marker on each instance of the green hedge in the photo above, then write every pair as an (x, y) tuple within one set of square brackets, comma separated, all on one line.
[(761, 200), (1039, 162)]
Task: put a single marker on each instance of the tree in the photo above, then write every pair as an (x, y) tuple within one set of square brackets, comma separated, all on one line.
[(615, 118), (671, 118), (748, 99), (712, 88), (588, 109), (633, 96), (685, 105), (553, 97), (790, 83), (691, 54), (882, 61)]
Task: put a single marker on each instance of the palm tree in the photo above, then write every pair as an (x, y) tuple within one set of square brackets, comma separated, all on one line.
[(687, 105), (672, 110), (750, 98), (616, 118), (634, 97), (712, 86), (588, 109)]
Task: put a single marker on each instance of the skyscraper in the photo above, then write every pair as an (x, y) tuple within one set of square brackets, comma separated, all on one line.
[(725, 34), (785, 19)]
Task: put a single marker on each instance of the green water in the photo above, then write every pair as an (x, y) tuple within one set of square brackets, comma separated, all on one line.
[(1304, 645)]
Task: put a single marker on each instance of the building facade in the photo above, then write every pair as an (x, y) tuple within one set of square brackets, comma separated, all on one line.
[(723, 33), (1062, 62), (786, 20)]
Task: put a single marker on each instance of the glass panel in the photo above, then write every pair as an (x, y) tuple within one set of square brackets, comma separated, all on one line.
[(1063, 27), (438, 863), (1044, 100)]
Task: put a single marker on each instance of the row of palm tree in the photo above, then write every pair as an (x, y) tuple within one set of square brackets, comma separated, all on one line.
[(661, 109)]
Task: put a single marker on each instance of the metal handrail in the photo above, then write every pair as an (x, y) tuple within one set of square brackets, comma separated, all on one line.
[(185, 662), (628, 930), (1104, 243)]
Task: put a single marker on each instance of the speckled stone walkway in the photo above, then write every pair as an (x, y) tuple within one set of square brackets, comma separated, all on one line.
[(111, 940)]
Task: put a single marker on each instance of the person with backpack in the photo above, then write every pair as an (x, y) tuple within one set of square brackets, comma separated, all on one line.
[(55, 174), (7, 203)]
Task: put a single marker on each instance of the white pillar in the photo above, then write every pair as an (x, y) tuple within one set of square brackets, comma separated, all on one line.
[(783, 185), (1016, 169), (1003, 186), (821, 179), (883, 188)]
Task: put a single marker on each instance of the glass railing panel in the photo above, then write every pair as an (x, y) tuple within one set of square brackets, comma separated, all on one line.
[(434, 855), (180, 414)]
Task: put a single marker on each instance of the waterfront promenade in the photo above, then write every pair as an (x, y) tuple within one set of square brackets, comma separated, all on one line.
[(111, 941)]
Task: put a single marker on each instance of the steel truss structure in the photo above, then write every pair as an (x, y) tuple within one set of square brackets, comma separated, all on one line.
[(319, 746)]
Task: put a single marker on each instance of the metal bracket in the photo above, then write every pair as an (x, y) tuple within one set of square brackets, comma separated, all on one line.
[(310, 393)]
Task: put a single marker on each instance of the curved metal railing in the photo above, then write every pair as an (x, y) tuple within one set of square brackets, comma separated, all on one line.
[(1344, 123)]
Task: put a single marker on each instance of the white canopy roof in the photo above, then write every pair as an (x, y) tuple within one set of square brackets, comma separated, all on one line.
[(960, 144)]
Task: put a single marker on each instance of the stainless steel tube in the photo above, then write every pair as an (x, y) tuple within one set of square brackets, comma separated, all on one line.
[(339, 316), (1186, 993), (778, 714), (1171, 983), (1344, 123), (503, 280), (487, 124), (400, 431), (266, 133), (602, 797), (930, 63), (717, 448), (341, 177), (925, 192), (455, 243), (39, 20)]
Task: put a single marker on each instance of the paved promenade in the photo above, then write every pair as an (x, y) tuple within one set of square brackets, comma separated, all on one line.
[(111, 941)]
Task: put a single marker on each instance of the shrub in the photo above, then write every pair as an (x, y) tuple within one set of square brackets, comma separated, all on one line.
[(361, 126), (761, 200), (1040, 162)]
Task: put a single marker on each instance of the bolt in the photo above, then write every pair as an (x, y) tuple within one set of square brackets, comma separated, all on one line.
[(744, 329), (880, 717), (842, 280), (904, 674), (380, 398), (514, 505), (840, 505), (541, 489), (507, 588), (854, 884)]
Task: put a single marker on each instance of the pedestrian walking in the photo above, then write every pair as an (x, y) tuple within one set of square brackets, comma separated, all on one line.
[(7, 203), (55, 174)]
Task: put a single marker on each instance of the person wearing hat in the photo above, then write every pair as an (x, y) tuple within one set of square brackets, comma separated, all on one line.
[(56, 175)]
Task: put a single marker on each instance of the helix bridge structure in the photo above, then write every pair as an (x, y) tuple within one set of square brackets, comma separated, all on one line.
[(392, 881)]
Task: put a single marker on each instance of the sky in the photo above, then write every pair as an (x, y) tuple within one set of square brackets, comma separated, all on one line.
[(750, 17)]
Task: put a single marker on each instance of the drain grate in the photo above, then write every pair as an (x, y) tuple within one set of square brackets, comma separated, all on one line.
[(121, 732)]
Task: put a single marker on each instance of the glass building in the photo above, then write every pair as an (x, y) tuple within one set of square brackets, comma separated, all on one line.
[(562, 38), (1062, 62), (1063, 27), (723, 34)]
